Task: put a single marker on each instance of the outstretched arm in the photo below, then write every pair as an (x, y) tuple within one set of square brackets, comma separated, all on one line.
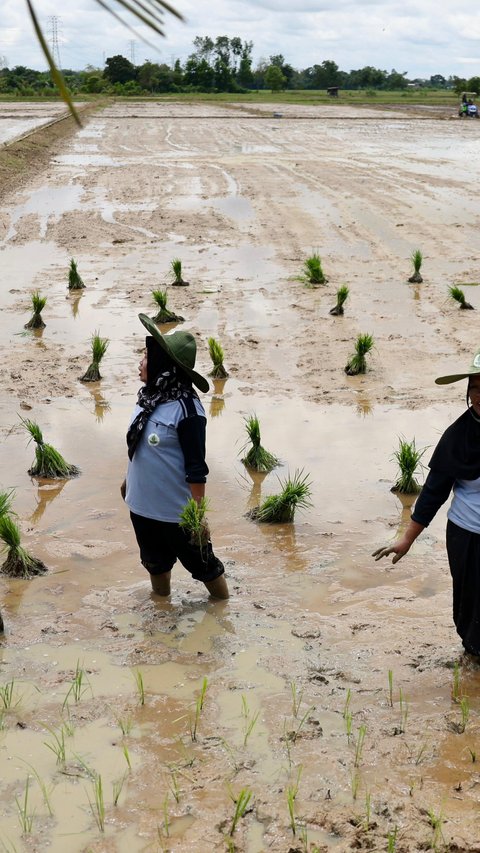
[(402, 545)]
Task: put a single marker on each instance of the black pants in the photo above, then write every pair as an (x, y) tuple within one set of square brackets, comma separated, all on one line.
[(463, 549), (162, 543)]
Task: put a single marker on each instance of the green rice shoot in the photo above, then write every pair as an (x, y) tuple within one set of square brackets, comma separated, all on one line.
[(458, 295), (19, 563), (164, 315), (417, 259), (38, 304), (49, 463), (193, 520), (357, 362), (408, 459), (6, 502), (176, 268), (342, 296), (99, 348), (278, 509), (257, 457), (75, 282), (312, 272), (216, 354)]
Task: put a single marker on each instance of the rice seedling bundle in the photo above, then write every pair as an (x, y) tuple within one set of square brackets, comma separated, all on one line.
[(176, 267), (164, 315), (19, 563), (342, 295), (38, 304), (281, 508), (257, 457), (357, 362), (312, 272), (216, 354), (417, 260), (193, 520), (99, 348), (408, 458), (458, 295), (49, 463), (75, 282)]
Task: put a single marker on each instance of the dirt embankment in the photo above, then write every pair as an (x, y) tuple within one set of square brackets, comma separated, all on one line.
[(24, 158)]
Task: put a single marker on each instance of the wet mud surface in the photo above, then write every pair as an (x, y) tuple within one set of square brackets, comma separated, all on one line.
[(297, 661)]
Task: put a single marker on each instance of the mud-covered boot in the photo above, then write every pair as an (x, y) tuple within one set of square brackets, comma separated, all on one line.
[(218, 588), (1, 624), (161, 583)]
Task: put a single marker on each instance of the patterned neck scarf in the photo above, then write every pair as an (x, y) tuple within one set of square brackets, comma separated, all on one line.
[(169, 384)]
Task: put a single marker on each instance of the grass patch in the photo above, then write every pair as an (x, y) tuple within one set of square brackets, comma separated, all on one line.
[(216, 354), (49, 463), (458, 295), (164, 315), (408, 459), (277, 509), (19, 563), (38, 304), (257, 457), (312, 272), (342, 296), (99, 347), (176, 268), (193, 520), (417, 260), (357, 362), (75, 282)]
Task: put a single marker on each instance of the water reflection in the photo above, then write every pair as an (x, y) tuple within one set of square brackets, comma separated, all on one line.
[(101, 405), (75, 303), (407, 502), (217, 403), (363, 404), (46, 493)]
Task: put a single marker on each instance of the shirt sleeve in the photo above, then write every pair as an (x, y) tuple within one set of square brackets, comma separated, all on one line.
[(191, 435), (435, 492)]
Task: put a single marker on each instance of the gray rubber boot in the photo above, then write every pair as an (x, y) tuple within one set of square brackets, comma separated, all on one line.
[(161, 583), (218, 588)]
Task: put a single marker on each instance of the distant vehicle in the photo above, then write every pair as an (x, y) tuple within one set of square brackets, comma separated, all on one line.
[(468, 109)]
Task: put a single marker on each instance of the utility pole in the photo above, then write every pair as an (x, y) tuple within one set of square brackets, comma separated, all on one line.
[(54, 22), (133, 45)]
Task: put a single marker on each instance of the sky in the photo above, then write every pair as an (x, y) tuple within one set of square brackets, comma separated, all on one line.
[(420, 37)]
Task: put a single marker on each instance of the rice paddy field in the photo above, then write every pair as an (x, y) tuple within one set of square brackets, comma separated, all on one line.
[(326, 706)]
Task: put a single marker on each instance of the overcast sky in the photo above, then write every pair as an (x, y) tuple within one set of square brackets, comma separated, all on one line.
[(421, 37)]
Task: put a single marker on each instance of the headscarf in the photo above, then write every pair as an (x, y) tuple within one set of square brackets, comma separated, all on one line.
[(165, 381)]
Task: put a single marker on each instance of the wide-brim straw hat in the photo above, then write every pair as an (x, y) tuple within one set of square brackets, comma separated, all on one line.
[(181, 348), (473, 370)]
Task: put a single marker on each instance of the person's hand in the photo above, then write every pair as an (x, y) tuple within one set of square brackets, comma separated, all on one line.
[(399, 548), (123, 489)]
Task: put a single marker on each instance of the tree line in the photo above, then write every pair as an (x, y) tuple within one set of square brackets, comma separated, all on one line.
[(221, 65)]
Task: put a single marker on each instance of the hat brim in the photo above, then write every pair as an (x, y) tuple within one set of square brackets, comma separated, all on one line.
[(455, 377), (197, 379)]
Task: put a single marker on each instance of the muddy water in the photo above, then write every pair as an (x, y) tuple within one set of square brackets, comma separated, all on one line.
[(313, 625)]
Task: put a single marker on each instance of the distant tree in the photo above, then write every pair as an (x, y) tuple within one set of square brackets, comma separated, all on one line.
[(473, 85), (395, 80), (118, 69), (148, 77), (459, 84), (438, 81), (274, 79), (245, 76), (279, 61)]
